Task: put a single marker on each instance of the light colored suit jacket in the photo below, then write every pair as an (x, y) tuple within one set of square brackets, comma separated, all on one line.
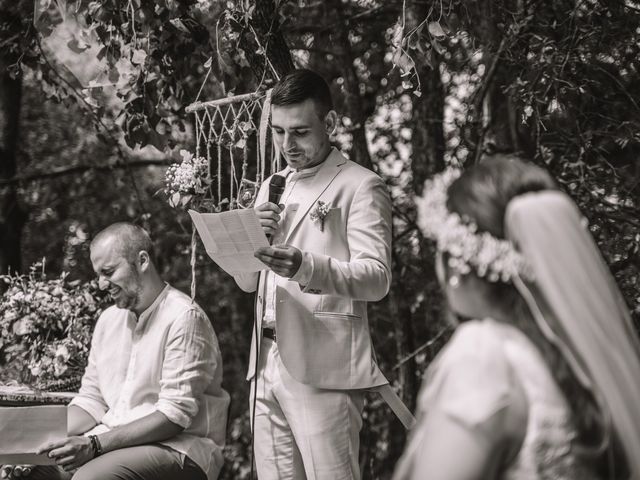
[(322, 328)]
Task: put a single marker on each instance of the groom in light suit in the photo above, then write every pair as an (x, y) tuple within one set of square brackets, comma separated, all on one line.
[(330, 255)]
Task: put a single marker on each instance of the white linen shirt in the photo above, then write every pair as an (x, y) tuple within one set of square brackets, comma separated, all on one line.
[(167, 360)]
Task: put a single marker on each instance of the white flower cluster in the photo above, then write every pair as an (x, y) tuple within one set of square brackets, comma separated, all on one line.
[(468, 249), (319, 213), (187, 177)]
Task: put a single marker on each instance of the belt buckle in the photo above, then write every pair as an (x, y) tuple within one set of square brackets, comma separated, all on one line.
[(269, 333)]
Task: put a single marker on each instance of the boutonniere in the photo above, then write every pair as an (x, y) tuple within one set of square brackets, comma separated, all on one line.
[(319, 213)]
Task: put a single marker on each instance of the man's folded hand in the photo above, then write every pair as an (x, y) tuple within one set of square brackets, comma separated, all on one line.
[(69, 453)]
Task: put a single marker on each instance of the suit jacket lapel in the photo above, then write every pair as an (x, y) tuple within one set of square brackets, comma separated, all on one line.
[(330, 168)]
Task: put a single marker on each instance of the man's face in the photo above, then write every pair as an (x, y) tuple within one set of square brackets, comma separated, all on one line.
[(300, 134), (116, 274)]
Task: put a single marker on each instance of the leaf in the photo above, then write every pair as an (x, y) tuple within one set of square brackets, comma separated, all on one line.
[(114, 75), (162, 127), (396, 39), (437, 47), (179, 24), (435, 29), (77, 46), (91, 101), (403, 61), (207, 64), (138, 57), (174, 200), (185, 200)]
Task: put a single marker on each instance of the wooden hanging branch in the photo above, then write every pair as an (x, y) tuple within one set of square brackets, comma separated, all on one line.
[(75, 169)]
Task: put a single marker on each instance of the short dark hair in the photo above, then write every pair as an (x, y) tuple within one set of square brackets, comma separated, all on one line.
[(300, 85), (130, 240)]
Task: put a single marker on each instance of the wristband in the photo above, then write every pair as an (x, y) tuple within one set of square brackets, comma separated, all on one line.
[(95, 443)]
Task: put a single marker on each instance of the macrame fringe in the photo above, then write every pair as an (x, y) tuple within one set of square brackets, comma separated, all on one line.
[(194, 254), (222, 127)]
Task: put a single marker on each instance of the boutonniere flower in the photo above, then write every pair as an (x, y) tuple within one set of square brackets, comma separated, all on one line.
[(319, 213)]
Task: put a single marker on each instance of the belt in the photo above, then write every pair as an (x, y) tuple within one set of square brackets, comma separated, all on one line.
[(269, 333)]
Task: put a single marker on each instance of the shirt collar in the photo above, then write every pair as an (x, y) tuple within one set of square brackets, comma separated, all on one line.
[(150, 310), (293, 174)]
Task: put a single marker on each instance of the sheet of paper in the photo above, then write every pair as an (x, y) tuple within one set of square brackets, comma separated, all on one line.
[(230, 238), (24, 429)]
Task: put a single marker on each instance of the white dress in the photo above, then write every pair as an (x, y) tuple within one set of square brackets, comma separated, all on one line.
[(475, 377)]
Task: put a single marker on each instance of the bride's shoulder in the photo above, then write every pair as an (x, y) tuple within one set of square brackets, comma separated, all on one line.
[(477, 340), (472, 378), (474, 354)]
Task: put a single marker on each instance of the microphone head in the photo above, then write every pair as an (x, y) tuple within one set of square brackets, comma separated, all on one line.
[(277, 183)]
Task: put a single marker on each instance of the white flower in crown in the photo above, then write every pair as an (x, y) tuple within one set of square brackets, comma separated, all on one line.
[(491, 258), (319, 213)]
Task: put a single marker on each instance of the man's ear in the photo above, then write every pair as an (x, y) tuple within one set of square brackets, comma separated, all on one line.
[(144, 260), (331, 122)]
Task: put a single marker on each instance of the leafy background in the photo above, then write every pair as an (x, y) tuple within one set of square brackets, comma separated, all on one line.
[(92, 112)]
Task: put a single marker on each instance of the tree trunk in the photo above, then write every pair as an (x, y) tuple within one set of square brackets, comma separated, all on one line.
[(497, 124), (353, 105), (12, 217), (427, 138)]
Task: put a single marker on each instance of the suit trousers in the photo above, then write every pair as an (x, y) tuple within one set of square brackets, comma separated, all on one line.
[(145, 462), (302, 432)]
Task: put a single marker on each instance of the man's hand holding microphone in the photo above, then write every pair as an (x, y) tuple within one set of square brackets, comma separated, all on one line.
[(284, 260)]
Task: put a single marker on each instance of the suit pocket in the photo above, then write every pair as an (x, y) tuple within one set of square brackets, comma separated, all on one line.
[(347, 317), (334, 235), (333, 217), (333, 342)]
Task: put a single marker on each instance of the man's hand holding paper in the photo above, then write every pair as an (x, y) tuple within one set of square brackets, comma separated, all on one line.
[(284, 260)]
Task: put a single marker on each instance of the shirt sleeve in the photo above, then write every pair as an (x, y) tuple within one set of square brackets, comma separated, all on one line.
[(90, 397), (304, 273), (191, 359)]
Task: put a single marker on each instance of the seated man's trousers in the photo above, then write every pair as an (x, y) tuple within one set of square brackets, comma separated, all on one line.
[(145, 462)]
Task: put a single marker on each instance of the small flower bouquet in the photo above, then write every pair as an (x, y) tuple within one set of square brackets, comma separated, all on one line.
[(319, 213), (187, 180), (46, 327)]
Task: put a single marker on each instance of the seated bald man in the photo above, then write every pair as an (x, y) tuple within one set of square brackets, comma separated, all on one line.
[(151, 405)]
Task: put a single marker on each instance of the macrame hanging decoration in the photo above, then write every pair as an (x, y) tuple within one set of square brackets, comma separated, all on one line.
[(232, 135)]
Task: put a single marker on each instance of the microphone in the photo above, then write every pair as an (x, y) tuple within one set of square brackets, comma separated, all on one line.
[(276, 188)]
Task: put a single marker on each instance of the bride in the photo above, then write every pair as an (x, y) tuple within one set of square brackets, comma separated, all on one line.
[(541, 377)]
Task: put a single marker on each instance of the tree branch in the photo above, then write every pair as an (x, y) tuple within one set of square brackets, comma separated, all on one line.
[(64, 171)]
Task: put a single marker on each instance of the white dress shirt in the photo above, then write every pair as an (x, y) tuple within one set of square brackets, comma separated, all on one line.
[(167, 360), (295, 188)]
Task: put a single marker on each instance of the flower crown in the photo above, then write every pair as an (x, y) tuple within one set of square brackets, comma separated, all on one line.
[(490, 257)]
